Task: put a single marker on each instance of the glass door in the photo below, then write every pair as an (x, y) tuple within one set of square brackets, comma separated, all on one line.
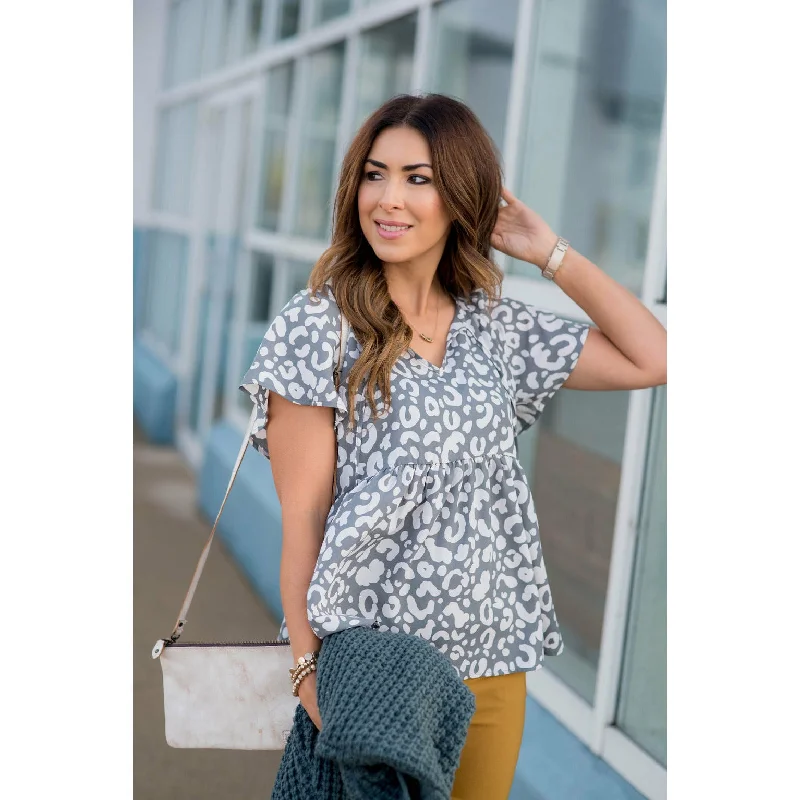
[(225, 150)]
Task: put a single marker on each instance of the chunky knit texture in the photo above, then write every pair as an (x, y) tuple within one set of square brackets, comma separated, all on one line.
[(395, 715)]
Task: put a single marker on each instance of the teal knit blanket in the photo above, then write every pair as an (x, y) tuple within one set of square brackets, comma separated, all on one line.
[(395, 715)]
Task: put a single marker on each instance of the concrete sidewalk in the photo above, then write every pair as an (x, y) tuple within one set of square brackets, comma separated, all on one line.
[(168, 535)]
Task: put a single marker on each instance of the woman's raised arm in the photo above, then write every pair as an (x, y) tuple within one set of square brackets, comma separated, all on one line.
[(628, 348)]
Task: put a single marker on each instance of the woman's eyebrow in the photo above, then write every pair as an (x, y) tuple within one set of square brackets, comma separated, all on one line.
[(406, 168)]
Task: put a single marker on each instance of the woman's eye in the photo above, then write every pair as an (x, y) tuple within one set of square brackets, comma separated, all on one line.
[(416, 180)]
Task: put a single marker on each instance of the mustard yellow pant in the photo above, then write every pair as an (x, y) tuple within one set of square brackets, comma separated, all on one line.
[(489, 758)]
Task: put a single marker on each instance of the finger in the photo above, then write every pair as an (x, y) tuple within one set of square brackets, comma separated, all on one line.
[(507, 196)]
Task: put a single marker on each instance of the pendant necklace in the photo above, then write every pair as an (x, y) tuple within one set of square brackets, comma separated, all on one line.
[(422, 335)]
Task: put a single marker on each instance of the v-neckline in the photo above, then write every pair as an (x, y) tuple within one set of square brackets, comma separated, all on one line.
[(457, 318)]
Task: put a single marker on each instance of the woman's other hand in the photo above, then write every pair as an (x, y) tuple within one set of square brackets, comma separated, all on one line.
[(307, 692)]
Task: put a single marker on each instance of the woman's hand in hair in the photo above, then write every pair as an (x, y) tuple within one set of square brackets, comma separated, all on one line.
[(521, 233), (628, 348)]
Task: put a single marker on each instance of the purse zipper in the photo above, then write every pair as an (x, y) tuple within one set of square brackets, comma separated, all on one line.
[(269, 643), (161, 644)]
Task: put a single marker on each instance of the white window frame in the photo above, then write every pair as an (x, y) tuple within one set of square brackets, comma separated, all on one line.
[(590, 723)]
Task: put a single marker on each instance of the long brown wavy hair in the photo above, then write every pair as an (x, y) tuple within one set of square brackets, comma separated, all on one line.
[(467, 174)]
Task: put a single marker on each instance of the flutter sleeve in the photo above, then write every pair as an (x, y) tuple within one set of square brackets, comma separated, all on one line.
[(295, 359), (541, 350)]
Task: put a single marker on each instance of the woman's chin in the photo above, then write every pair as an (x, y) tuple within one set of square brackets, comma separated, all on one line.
[(390, 252)]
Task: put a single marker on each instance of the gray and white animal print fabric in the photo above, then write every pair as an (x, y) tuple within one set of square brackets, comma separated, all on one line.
[(432, 530)]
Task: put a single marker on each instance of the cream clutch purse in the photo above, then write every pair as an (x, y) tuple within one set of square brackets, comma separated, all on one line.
[(229, 695)]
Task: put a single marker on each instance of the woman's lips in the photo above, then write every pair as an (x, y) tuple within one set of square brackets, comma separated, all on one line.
[(391, 234)]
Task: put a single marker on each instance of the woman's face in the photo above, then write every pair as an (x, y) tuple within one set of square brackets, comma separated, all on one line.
[(397, 192)]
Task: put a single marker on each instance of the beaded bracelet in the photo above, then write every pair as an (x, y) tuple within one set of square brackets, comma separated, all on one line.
[(303, 661), (306, 664), (299, 679)]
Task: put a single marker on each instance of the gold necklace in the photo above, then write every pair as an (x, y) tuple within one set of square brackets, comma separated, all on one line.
[(422, 335)]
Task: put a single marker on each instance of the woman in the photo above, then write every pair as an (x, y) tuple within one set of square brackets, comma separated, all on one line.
[(432, 530)]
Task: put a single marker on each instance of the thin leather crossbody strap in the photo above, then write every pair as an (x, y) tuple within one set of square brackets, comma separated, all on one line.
[(337, 372)]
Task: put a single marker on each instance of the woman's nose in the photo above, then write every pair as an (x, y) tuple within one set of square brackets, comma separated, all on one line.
[(392, 197)]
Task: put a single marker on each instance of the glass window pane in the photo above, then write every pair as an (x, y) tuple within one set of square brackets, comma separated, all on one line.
[(263, 304), (325, 10), (236, 19), (259, 306), (473, 45), (201, 337), (226, 29), (325, 89), (387, 61), (315, 175), (642, 711), (162, 315), (273, 178), (225, 33), (288, 18), (215, 306), (213, 37), (253, 26), (299, 272), (318, 143), (280, 82), (173, 175), (184, 34), (573, 456), (258, 314), (279, 92), (589, 157)]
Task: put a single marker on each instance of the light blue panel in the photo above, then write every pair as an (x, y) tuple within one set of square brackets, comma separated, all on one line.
[(165, 269), (154, 392), (251, 523), (555, 765), (139, 249)]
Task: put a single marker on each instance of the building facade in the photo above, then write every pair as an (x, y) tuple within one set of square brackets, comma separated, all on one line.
[(243, 110)]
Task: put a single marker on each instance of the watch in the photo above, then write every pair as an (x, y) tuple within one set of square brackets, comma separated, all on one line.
[(556, 257)]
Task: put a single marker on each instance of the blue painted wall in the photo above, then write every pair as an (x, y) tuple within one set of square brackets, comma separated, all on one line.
[(154, 392), (154, 385), (251, 523), (553, 764), (139, 249)]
